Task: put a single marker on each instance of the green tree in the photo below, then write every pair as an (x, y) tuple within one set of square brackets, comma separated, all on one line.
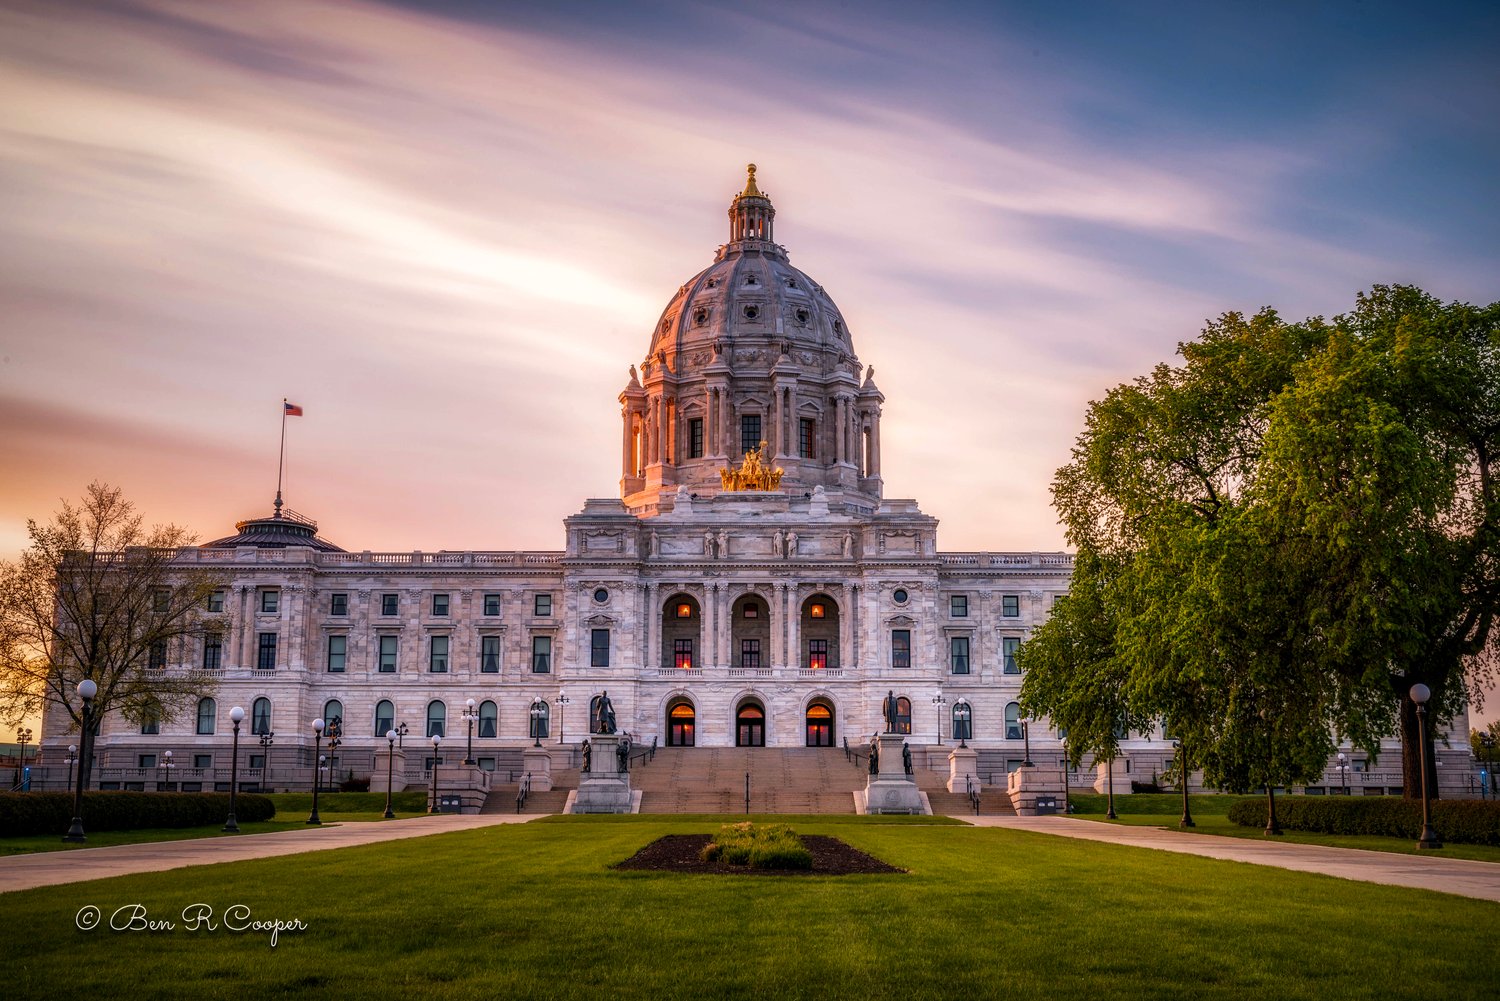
[(99, 596)]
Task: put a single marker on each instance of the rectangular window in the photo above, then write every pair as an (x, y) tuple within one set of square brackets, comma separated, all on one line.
[(749, 432), (257, 761), (151, 722), (266, 659), (806, 430), (337, 647), (958, 654), (1010, 605), (338, 604), (958, 605), (489, 654), (901, 648), (437, 658), (752, 610), (599, 648), (439, 604), (492, 604), (388, 604), (749, 653), (270, 601), (145, 761), (817, 654), (388, 654), (682, 653), (1008, 647), (160, 599), (695, 438), (203, 761), (216, 601), (542, 606), (156, 658), (213, 651), (541, 654)]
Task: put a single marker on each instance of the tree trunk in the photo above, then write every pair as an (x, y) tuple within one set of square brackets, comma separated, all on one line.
[(1411, 754)]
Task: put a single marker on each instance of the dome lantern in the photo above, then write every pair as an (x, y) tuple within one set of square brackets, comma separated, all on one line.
[(751, 214)]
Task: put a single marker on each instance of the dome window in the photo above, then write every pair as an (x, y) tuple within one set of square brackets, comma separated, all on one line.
[(752, 312), (791, 283), (838, 326), (802, 315), (712, 283), (752, 280), (700, 316)]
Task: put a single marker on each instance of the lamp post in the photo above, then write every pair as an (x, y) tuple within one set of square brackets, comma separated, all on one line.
[(1182, 773), (266, 740), (72, 760), (1420, 693), (1486, 741), (317, 726), (436, 740), (469, 717), (324, 765), (938, 703), (87, 689), (335, 734), (1026, 736), (23, 737), (390, 774), (562, 703), (164, 770), (536, 722), (961, 713), (401, 731), (1344, 772), (236, 716)]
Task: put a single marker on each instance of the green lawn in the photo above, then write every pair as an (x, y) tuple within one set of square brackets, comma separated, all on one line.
[(534, 910), (1210, 817)]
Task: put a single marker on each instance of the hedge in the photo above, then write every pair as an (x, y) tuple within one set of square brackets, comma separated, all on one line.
[(23, 813), (1461, 821)]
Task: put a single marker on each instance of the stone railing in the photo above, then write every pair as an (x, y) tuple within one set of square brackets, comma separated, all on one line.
[(1043, 561), (299, 555)]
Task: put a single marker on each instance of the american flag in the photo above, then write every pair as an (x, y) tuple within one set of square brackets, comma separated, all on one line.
[(291, 409)]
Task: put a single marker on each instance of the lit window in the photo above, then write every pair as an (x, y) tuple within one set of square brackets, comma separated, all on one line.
[(903, 715), (338, 646), (682, 653), (805, 435), (817, 654), (817, 611), (684, 610), (901, 648)]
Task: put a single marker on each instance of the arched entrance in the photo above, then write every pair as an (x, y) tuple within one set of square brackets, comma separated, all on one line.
[(682, 724), (819, 725), (750, 725)]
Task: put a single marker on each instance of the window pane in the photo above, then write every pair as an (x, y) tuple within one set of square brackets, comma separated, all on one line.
[(959, 654), (901, 648), (266, 661), (339, 605), (388, 604), (682, 653), (750, 653), (388, 654), (599, 648), (541, 654), (1009, 645), (216, 601), (958, 605), (749, 432), (1010, 605), (489, 654), (492, 604), (439, 604), (337, 647), (385, 717), (805, 438), (260, 717), (437, 720), (695, 438), (270, 601), (543, 606), (438, 659), (206, 711), (489, 719)]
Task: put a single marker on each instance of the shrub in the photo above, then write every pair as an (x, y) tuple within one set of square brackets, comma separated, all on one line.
[(27, 813), (765, 846), (1461, 821)]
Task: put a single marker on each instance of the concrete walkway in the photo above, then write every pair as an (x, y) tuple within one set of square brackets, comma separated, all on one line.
[(22, 872), (1425, 872)]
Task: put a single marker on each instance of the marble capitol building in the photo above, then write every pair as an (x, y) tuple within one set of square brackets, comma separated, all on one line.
[(751, 586)]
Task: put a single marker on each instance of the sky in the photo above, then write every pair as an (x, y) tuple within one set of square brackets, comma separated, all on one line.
[(446, 229)]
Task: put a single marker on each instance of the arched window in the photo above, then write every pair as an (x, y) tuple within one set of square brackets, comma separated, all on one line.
[(489, 719), (1013, 721), (963, 720), (333, 710), (260, 716), (437, 719), (903, 715), (207, 710), (385, 717)]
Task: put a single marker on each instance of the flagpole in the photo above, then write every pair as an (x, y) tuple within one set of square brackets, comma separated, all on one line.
[(281, 458)]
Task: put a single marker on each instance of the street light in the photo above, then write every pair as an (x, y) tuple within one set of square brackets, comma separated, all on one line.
[(1182, 772), (536, 722), (164, 770), (938, 703), (87, 689), (317, 726), (324, 765), (23, 737), (469, 717), (236, 716), (436, 740), (562, 703), (401, 732), (1420, 693), (1487, 741), (390, 773), (961, 714), (1026, 736), (72, 760), (1344, 772)]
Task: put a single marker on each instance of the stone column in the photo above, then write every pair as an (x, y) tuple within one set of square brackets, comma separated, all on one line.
[(778, 617), (625, 463), (793, 627), (707, 649), (838, 429), (651, 622), (875, 444)]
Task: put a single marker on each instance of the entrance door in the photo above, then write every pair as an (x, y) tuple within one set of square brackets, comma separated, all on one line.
[(819, 725), (750, 727), (681, 720)]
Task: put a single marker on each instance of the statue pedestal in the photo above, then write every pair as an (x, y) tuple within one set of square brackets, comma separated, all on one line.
[(537, 764), (1035, 790), (891, 790), (963, 770), (604, 788), (1121, 775), (385, 768)]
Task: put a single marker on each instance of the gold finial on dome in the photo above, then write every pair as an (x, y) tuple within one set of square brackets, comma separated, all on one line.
[(751, 191)]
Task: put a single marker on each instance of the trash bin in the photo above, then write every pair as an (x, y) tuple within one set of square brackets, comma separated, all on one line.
[(1046, 805), (450, 804)]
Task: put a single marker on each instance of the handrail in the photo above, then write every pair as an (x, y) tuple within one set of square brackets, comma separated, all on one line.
[(973, 793), (524, 792)]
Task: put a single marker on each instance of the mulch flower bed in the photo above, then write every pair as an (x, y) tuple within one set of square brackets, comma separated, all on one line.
[(680, 853)]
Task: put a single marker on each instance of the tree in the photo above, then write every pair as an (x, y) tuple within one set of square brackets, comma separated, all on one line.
[(98, 596)]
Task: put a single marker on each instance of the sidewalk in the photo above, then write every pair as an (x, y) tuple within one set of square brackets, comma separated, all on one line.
[(1445, 875), (22, 872)]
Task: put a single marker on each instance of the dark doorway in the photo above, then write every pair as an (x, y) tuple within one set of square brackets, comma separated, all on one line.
[(750, 726)]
